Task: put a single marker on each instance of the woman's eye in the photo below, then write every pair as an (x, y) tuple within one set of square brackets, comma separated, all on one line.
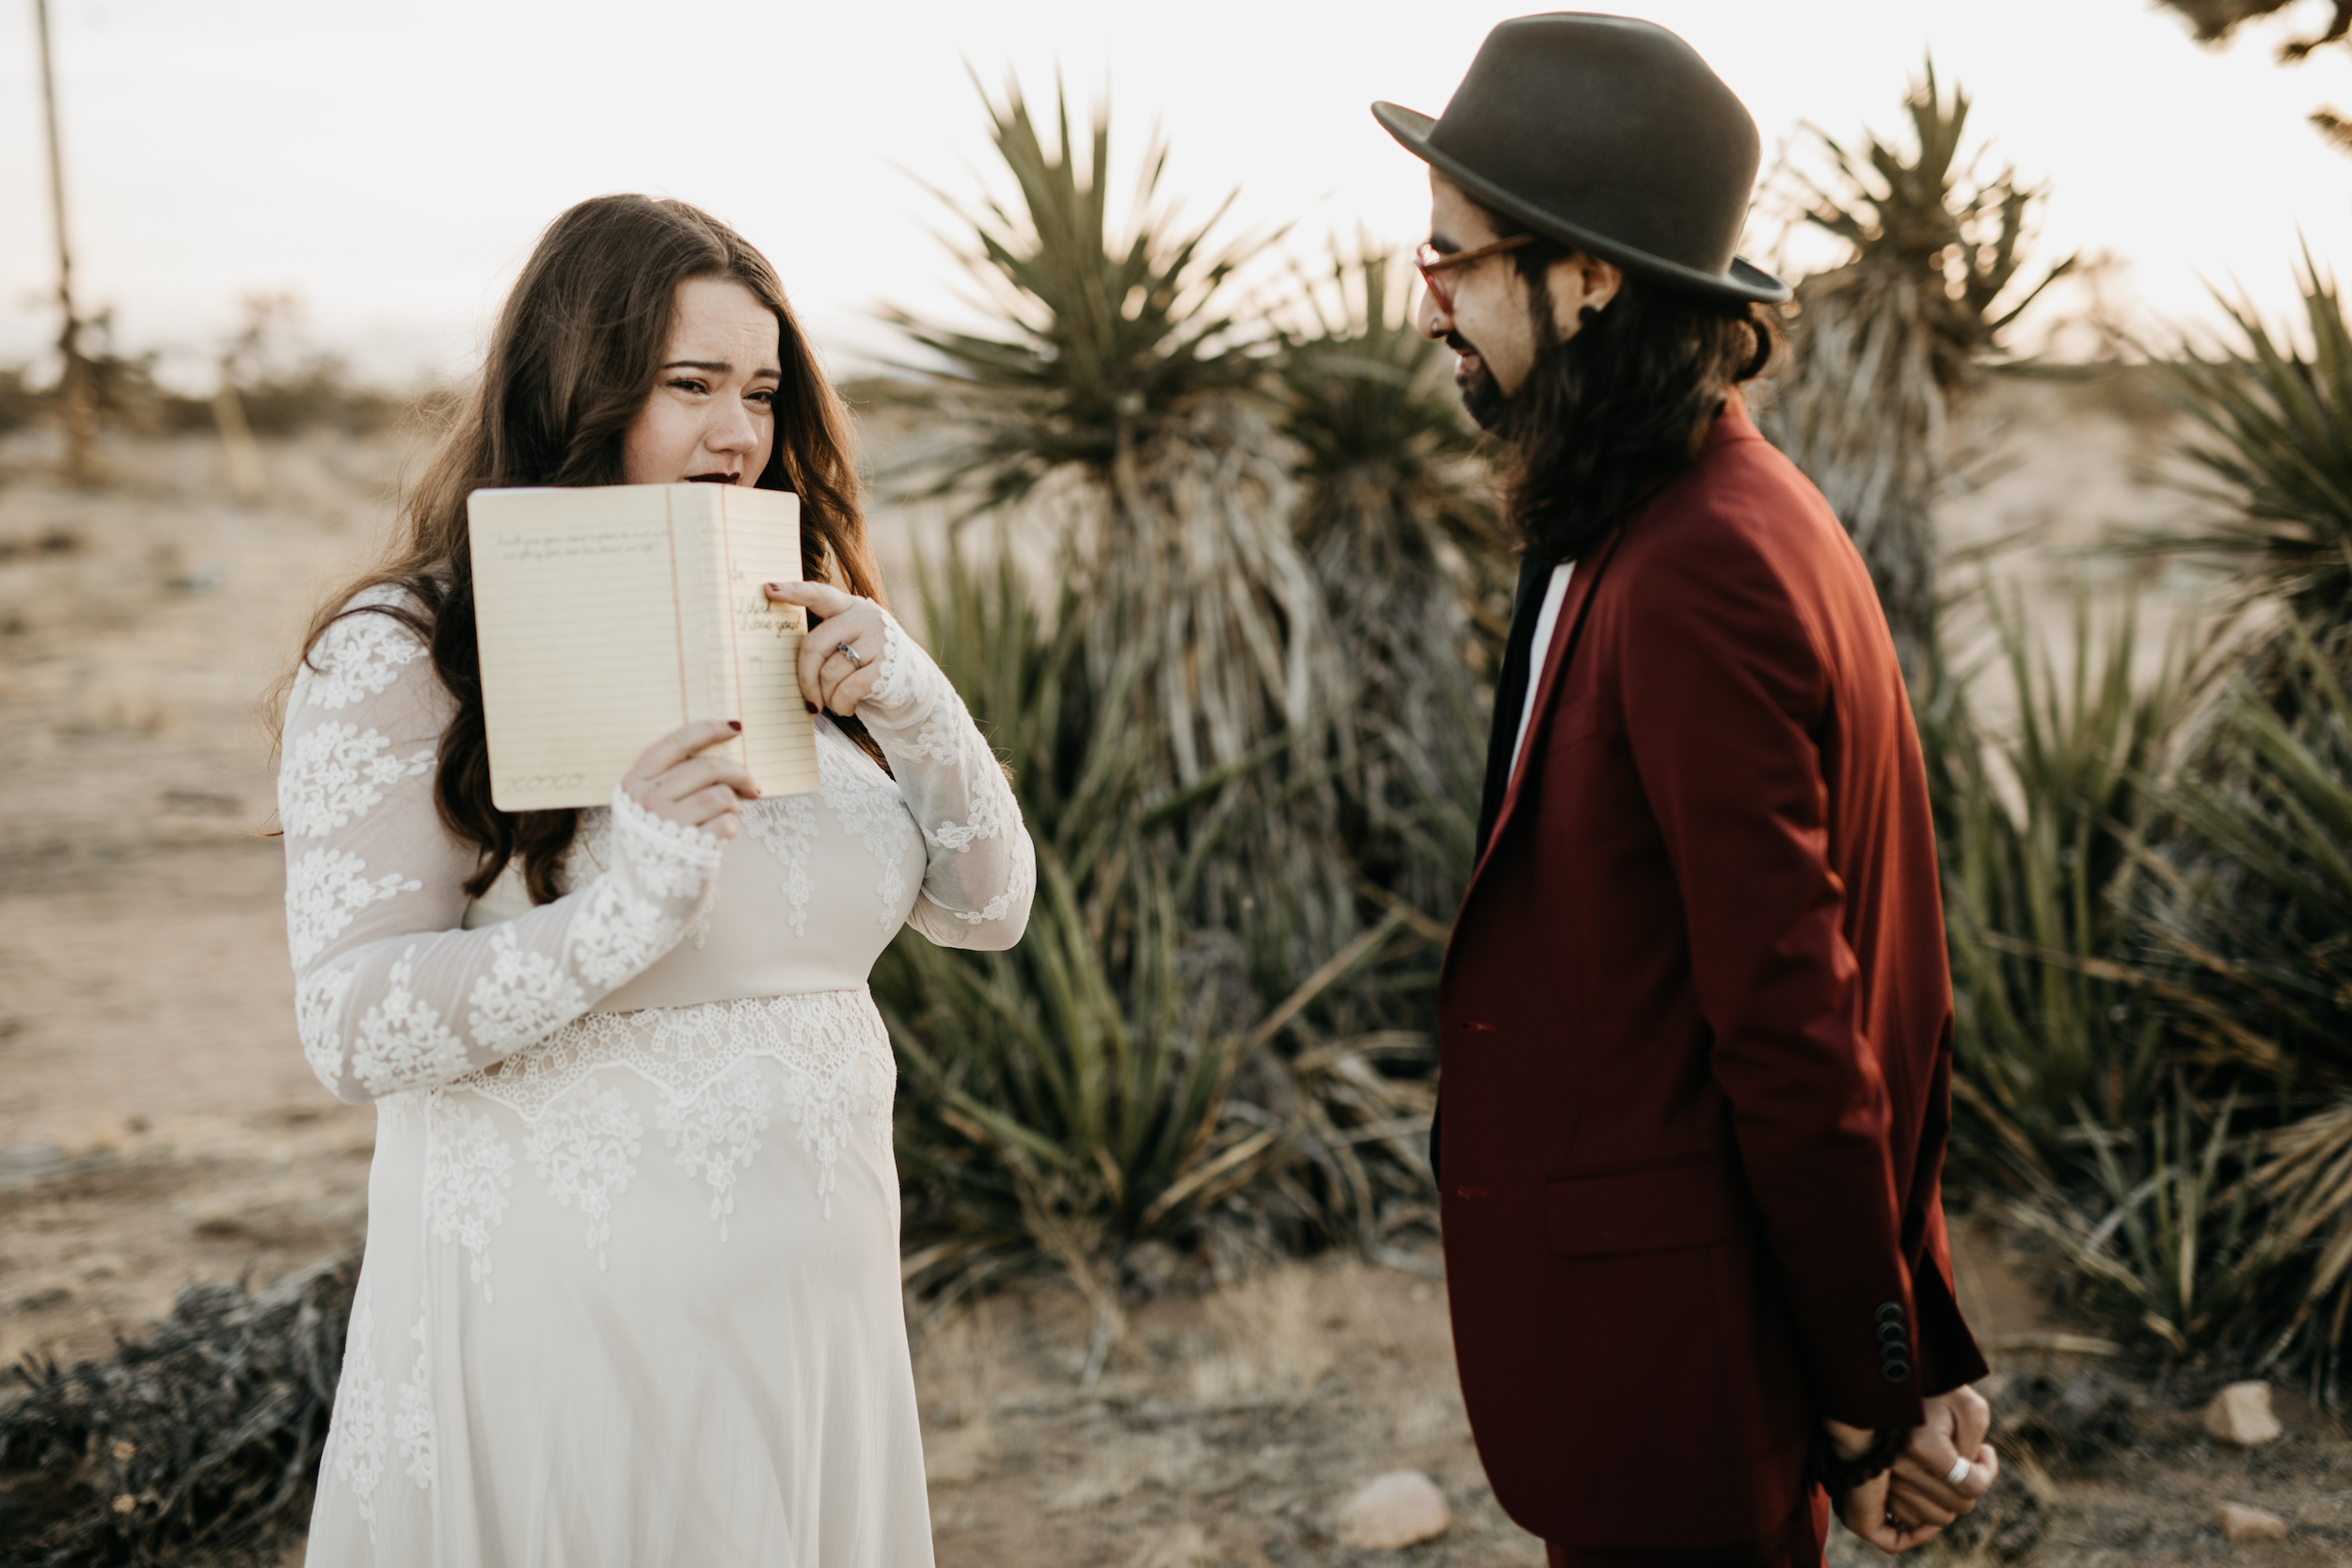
[(689, 384), (766, 397)]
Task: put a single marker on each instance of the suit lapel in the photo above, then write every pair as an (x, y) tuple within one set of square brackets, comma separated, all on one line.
[(1564, 632)]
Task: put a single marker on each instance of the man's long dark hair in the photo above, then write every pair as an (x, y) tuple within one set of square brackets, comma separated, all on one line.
[(1607, 417)]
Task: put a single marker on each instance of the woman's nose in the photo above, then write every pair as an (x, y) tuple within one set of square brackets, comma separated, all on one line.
[(731, 430)]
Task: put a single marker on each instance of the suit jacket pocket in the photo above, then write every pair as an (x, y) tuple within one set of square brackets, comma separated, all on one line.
[(1657, 1208), (1578, 721)]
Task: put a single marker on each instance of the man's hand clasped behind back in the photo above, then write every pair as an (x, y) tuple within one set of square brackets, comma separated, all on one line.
[(1944, 1468)]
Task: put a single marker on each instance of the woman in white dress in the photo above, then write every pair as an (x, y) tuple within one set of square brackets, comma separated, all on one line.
[(632, 1286)]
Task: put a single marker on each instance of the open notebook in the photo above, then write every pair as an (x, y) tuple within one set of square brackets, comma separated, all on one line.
[(609, 616)]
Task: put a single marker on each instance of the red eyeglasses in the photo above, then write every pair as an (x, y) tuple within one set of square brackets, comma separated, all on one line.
[(1430, 261)]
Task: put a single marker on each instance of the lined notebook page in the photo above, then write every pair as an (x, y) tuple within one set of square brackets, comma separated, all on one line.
[(759, 542), (581, 625)]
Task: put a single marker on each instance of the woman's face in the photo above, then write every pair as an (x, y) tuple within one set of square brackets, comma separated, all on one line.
[(711, 416)]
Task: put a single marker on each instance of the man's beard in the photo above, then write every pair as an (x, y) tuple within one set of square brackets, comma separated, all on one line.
[(1481, 394)]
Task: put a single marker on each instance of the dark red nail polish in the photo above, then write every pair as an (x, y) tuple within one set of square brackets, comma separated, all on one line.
[(735, 724)]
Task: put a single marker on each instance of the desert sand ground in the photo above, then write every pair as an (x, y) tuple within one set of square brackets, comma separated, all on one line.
[(158, 1125)]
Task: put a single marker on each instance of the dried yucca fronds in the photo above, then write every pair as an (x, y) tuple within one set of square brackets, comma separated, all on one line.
[(198, 1442), (1884, 342)]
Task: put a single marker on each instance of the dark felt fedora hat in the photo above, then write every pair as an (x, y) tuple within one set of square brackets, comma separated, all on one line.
[(1607, 133)]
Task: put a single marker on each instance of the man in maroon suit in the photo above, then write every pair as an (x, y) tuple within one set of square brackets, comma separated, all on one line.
[(1695, 1018)]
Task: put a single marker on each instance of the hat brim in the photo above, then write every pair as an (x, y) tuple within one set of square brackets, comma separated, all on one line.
[(1744, 281)]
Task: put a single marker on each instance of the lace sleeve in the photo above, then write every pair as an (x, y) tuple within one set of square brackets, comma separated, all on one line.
[(389, 994), (980, 869)]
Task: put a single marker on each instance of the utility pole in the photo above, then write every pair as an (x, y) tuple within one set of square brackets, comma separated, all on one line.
[(77, 396)]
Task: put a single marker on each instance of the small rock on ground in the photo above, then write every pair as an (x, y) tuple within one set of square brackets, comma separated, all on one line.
[(2251, 1524), (2240, 1413), (1394, 1510)]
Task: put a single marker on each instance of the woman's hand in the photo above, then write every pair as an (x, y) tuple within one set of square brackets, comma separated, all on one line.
[(833, 679), (679, 782)]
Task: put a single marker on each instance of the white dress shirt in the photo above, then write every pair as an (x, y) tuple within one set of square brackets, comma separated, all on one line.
[(1539, 653)]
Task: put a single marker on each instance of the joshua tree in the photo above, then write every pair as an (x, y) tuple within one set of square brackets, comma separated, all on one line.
[(1887, 341), (1118, 392)]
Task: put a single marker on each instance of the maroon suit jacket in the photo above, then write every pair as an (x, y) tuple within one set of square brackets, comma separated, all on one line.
[(1696, 1035)]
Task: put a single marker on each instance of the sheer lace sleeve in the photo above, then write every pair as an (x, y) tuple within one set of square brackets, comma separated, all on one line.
[(979, 867), (389, 994)]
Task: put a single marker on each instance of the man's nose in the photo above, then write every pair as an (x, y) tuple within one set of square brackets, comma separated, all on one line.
[(1430, 318)]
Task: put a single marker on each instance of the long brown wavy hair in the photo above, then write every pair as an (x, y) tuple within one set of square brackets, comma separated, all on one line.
[(1607, 417), (575, 351)]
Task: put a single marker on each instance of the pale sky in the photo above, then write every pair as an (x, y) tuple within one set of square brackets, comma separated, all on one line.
[(391, 163)]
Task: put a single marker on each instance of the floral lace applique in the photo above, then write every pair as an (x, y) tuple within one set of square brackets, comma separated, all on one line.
[(868, 804), (358, 1418), (590, 856), (786, 829), (613, 937), (1019, 886), (912, 693), (401, 1043), (832, 1046), (990, 810), (523, 997), (716, 1133), (318, 1010), (889, 691), (360, 656), (392, 1113), (334, 773), (325, 891), (585, 1149), (412, 1422), (467, 1168), (669, 860)]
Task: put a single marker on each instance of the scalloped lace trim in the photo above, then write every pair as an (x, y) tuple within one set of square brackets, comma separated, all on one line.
[(890, 681), (671, 860), (832, 1046)]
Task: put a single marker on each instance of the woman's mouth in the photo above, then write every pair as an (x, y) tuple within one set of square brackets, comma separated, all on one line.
[(711, 479)]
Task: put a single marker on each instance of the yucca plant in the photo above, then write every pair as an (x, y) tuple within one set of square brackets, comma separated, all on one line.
[(1068, 1097), (1118, 399), (2165, 1245), (2277, 455), (2243, 910), (2049, 1020), (1884, 343), (1396, 518)]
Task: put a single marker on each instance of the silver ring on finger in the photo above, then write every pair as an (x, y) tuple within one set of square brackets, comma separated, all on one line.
[(1959, 1472), (849, 651)]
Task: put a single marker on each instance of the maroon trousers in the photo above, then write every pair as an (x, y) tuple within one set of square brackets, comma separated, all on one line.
[(1800, 1545)]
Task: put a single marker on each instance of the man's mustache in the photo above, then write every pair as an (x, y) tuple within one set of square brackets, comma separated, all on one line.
[(1459, 343)]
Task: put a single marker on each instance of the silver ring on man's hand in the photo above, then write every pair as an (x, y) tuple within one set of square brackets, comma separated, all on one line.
[(849, 651), (1959, 1472)]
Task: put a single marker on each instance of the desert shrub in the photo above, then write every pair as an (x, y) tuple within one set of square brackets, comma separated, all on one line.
[(1074, 1096), (2035, 827), (198, 1441)]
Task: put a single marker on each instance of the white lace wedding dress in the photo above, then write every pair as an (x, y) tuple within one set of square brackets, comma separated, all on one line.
[(631, 1287)]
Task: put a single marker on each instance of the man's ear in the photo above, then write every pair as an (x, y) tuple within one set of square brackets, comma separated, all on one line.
[(1602, 279)]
